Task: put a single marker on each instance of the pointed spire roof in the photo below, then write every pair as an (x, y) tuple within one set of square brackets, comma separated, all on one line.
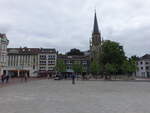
[(95, 27)]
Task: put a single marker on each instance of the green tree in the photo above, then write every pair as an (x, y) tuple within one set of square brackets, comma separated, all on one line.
[(60, 67), (129, 66), (126, 67), (134, 57), (75, 52), (77, 68), (95, 68), (113, 55), (133, 65), (110, 68)]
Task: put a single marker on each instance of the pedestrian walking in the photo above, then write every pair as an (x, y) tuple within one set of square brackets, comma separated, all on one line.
[(48, 76), (21, 76), (7, 78), (2, 78), (73, 78), (26, 76)]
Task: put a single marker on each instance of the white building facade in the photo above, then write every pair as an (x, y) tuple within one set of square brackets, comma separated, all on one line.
[(47, 59), (3, 52), (143, 65), (29, 60)]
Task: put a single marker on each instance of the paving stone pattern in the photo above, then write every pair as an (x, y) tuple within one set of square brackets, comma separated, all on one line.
[(49, 96)]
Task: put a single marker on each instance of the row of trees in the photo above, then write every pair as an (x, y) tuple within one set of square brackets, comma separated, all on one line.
[(61, 67), (112, 61)]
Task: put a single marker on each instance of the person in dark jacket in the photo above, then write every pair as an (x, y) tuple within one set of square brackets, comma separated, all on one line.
[(3, 78), (73, 78), (7, 78), (25, 76)]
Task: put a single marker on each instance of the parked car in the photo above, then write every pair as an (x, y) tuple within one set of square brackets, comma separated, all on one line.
[(58, 77)]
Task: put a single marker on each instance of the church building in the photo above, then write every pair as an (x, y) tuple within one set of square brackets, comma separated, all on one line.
[(96, 41)]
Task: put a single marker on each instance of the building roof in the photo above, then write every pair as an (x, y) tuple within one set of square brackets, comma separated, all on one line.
[(146, 56), (26, 50)]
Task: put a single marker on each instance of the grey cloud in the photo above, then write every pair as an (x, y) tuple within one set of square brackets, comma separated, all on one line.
[(66, 24)]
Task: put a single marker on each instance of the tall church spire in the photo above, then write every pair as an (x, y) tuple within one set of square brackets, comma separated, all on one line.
[(95, 27), (95, 47)]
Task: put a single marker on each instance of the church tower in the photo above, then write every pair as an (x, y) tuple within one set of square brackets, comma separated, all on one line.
[(95, 43)]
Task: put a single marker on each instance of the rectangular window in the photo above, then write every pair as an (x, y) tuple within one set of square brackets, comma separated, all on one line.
[(50, 68), (147, 67), (42, 68), (146, 62), (77, 62), (42, 62), (43, 57)]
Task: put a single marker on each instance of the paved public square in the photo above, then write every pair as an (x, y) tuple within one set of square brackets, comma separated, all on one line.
[(49, 96)]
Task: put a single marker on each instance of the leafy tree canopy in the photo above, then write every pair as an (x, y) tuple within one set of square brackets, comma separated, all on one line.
[(129, 66), (77, 68), (75, 52), (60, 67), (135, 58), (95, 67), (110, 68), (133, 65), (112, 53), (112, 60)]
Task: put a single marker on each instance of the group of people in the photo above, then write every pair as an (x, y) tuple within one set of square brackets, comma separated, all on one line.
[(4, 78), (24, 77)]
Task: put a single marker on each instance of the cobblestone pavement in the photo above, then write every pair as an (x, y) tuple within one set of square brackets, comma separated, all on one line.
[(49, 96)]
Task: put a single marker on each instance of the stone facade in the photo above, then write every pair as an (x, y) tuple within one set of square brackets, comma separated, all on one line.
[(3, 52)]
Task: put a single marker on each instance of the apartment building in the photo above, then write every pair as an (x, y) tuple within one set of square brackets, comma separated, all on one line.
[(47, 59), (143, 65), (70, 60)]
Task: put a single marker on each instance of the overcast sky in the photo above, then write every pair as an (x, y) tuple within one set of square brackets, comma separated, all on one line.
[(66, 24)]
